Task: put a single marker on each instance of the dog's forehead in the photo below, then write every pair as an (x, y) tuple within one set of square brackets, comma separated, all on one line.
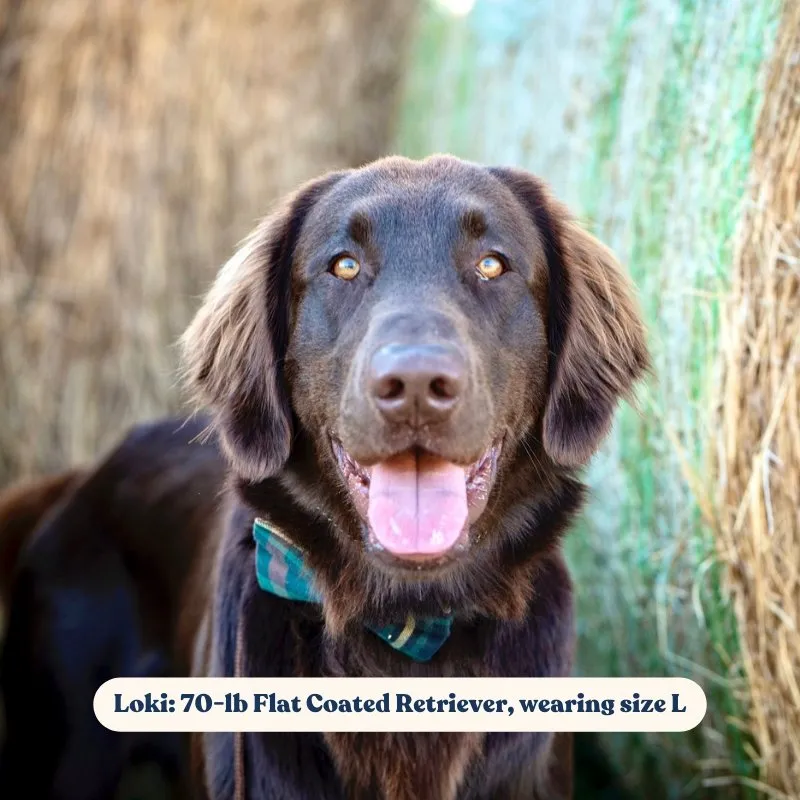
[(431, 197), (402, 176)]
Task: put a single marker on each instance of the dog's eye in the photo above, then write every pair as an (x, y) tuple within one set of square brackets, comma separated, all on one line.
[(490, 266), (345, 267)]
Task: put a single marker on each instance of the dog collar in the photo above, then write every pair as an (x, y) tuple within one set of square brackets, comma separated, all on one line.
[(281, 569)]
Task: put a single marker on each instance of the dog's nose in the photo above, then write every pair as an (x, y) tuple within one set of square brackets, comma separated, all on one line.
[(420, 384)]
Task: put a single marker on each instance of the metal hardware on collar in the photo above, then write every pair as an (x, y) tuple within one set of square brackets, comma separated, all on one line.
[(261, 522)]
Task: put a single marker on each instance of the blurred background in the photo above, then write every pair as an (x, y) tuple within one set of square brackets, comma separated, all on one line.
[(140, 141)]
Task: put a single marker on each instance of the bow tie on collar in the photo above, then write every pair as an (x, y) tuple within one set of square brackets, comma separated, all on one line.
[(281, 570)]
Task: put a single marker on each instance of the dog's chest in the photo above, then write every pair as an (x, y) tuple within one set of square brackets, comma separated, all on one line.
[(286, 640), (403, 766), (366, 766)]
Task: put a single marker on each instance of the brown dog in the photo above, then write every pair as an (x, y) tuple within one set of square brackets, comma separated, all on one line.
[(407, 365)]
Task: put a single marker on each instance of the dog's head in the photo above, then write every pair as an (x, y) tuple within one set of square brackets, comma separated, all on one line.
[(440, 339)]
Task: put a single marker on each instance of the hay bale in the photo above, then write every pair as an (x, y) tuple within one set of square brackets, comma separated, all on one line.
[(759, 440), (139, 141)]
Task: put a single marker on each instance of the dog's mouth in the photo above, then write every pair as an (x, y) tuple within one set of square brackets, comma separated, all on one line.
[(417, 507)]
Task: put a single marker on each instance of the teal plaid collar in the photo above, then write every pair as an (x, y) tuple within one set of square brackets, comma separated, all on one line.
[(281, 569)]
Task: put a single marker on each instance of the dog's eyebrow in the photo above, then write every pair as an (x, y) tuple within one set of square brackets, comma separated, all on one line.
[(473, 223), (359, 228)]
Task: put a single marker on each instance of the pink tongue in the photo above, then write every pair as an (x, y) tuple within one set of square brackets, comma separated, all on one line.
[(417, 504)]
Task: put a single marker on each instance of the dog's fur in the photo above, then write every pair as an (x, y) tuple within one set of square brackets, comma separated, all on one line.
[(22, 507), (106, 586), (277, 352)]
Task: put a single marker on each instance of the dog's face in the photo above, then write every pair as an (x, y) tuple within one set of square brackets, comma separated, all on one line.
[(418, 344), (433, 331)]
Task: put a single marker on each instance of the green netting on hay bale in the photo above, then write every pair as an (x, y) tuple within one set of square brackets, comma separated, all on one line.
[(641, 116)]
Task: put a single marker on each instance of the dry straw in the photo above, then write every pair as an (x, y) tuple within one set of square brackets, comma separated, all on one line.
[(139, 141), (759, 440)]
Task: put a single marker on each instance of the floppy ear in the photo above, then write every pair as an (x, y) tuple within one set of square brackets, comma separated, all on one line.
[(596, 336), (234, 348)]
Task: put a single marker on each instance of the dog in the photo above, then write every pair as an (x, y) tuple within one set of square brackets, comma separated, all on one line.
[(406, 367), (407, 364)]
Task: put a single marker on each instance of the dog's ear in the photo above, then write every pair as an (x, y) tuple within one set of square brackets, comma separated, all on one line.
[(596, 337), (234, 348)]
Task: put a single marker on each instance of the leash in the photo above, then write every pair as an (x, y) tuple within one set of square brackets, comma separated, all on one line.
[(239, 772)]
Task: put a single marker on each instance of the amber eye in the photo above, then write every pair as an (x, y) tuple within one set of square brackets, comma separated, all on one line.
[(345, 267), (490, 266)]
